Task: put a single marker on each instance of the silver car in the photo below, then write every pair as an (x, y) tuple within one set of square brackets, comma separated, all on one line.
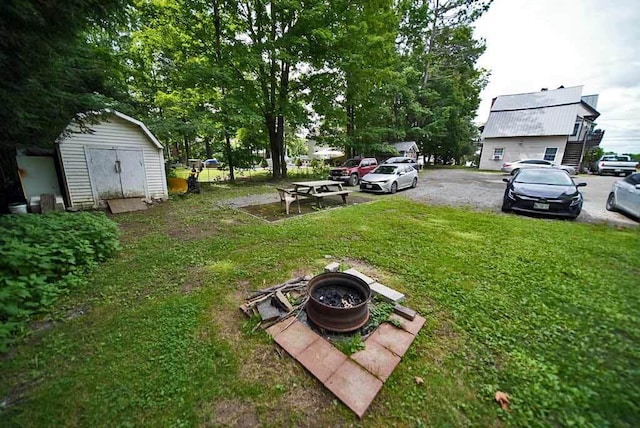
[(388, 178), (625, 195), (515, 166)]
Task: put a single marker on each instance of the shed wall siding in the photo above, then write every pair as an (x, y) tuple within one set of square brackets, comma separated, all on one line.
[(114, 133), (531, 148)]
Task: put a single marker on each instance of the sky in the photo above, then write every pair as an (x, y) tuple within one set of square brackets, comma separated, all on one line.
[(534, 44)]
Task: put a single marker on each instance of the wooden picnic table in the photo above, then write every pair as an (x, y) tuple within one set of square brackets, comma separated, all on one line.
[(316, 187), (318, 190)]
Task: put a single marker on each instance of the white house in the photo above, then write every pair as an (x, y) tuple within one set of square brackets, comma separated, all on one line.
[(551, 124), (407, 149), (118, 158)]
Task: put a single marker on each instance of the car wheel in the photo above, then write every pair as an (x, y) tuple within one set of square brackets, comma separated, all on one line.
[(611, 202), (394, 187), (515, 171), (415, 183), (353, 180)]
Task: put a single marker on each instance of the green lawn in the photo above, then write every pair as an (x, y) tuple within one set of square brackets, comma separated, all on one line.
[(546, 311)]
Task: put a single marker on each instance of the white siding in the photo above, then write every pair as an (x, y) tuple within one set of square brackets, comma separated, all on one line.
[(519, 148), (114, 133)]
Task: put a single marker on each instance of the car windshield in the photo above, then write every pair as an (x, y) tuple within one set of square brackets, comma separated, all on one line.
[(543, 176), (385, 169), (351, 162)]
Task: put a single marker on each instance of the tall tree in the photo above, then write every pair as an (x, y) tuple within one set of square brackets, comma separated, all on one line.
[(439, 59), (49, 68), (278, 40)]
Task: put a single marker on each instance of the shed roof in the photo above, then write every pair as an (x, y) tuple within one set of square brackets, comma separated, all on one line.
[(141, 125), (123, 116)]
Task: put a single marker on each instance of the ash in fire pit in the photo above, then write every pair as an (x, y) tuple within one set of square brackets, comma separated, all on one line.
[(338, 301), (338, 297)]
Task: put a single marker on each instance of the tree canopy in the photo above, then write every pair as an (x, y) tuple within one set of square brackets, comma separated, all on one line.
[(235, 77)]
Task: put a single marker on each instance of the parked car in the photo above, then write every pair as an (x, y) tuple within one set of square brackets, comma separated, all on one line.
[(388, 178), (615, 164), (544, 191), (515, 166), (403, 160), (353, 170), (625, 195), (211, 163)]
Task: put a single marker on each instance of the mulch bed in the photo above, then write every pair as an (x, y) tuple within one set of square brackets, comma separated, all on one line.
[(275, 211)]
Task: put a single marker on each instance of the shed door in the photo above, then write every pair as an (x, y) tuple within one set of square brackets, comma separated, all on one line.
[(117, 173), (131, 173)]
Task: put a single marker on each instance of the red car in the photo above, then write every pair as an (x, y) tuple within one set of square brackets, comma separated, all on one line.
[(353, 170)]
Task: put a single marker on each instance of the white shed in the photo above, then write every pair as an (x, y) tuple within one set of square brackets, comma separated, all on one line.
[(118, 158)]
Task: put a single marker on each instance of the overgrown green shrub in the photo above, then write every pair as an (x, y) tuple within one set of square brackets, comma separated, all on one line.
[(42, 256)]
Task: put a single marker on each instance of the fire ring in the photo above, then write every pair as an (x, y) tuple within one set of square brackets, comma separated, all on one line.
[(338, 301)]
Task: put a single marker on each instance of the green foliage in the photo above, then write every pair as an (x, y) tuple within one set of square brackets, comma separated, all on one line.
[(50, 69), (44, 256), (351, 345), (379, 312)]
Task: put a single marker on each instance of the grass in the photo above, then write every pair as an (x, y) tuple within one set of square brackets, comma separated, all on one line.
[(545, 311)]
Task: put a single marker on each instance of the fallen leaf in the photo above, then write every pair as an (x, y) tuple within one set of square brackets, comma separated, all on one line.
[(502, 399), (419, 380)]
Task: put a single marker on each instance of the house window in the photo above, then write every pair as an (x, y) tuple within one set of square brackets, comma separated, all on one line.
[(498, 153), (550, 154), (576, 128)]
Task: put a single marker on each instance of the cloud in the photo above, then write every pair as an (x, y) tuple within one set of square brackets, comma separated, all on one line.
[(548, 43)]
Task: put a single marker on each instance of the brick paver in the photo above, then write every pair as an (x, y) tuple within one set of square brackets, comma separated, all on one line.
[(322, 359), (377, 359), (354, 386)]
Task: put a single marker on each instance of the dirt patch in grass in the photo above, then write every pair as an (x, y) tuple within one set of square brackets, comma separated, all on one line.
[(276, 211), (235, 413)]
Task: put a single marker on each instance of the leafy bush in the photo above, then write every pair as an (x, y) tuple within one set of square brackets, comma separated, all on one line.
[(42, 256)]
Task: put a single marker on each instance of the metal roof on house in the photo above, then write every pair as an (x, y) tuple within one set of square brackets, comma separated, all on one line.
[(403, 146), (557, 120), (540, 99), (541, 113), (591, 100)]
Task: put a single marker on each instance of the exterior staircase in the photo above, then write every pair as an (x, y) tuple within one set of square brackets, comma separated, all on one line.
[(573, 154)]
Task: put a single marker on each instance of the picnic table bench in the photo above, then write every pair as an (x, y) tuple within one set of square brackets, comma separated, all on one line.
[(317, 190)]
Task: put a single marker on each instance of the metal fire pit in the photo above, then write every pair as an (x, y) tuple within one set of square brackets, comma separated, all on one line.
[(334, 318)]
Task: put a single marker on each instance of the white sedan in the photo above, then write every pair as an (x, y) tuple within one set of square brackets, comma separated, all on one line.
[(625, 195), (388, 178), (515, 166)]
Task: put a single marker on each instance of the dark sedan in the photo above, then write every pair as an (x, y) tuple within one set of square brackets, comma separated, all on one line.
[(543, 191)]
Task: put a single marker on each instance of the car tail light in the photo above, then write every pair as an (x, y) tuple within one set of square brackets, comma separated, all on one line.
[(602, 164), (506, 164)]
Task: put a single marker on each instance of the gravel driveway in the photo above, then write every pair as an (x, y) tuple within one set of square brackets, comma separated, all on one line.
[(481, 191), (484, 191)]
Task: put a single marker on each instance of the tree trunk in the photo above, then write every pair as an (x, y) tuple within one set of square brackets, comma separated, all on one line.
[(271, 123), (229, 150), (187, 149), (227, 140), (432, 38), (207, 147)]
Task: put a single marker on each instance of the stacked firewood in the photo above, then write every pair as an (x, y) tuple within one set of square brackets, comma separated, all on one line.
[(277, 303)]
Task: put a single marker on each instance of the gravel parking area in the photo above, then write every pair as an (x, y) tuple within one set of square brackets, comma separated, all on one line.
[(484, 191)]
